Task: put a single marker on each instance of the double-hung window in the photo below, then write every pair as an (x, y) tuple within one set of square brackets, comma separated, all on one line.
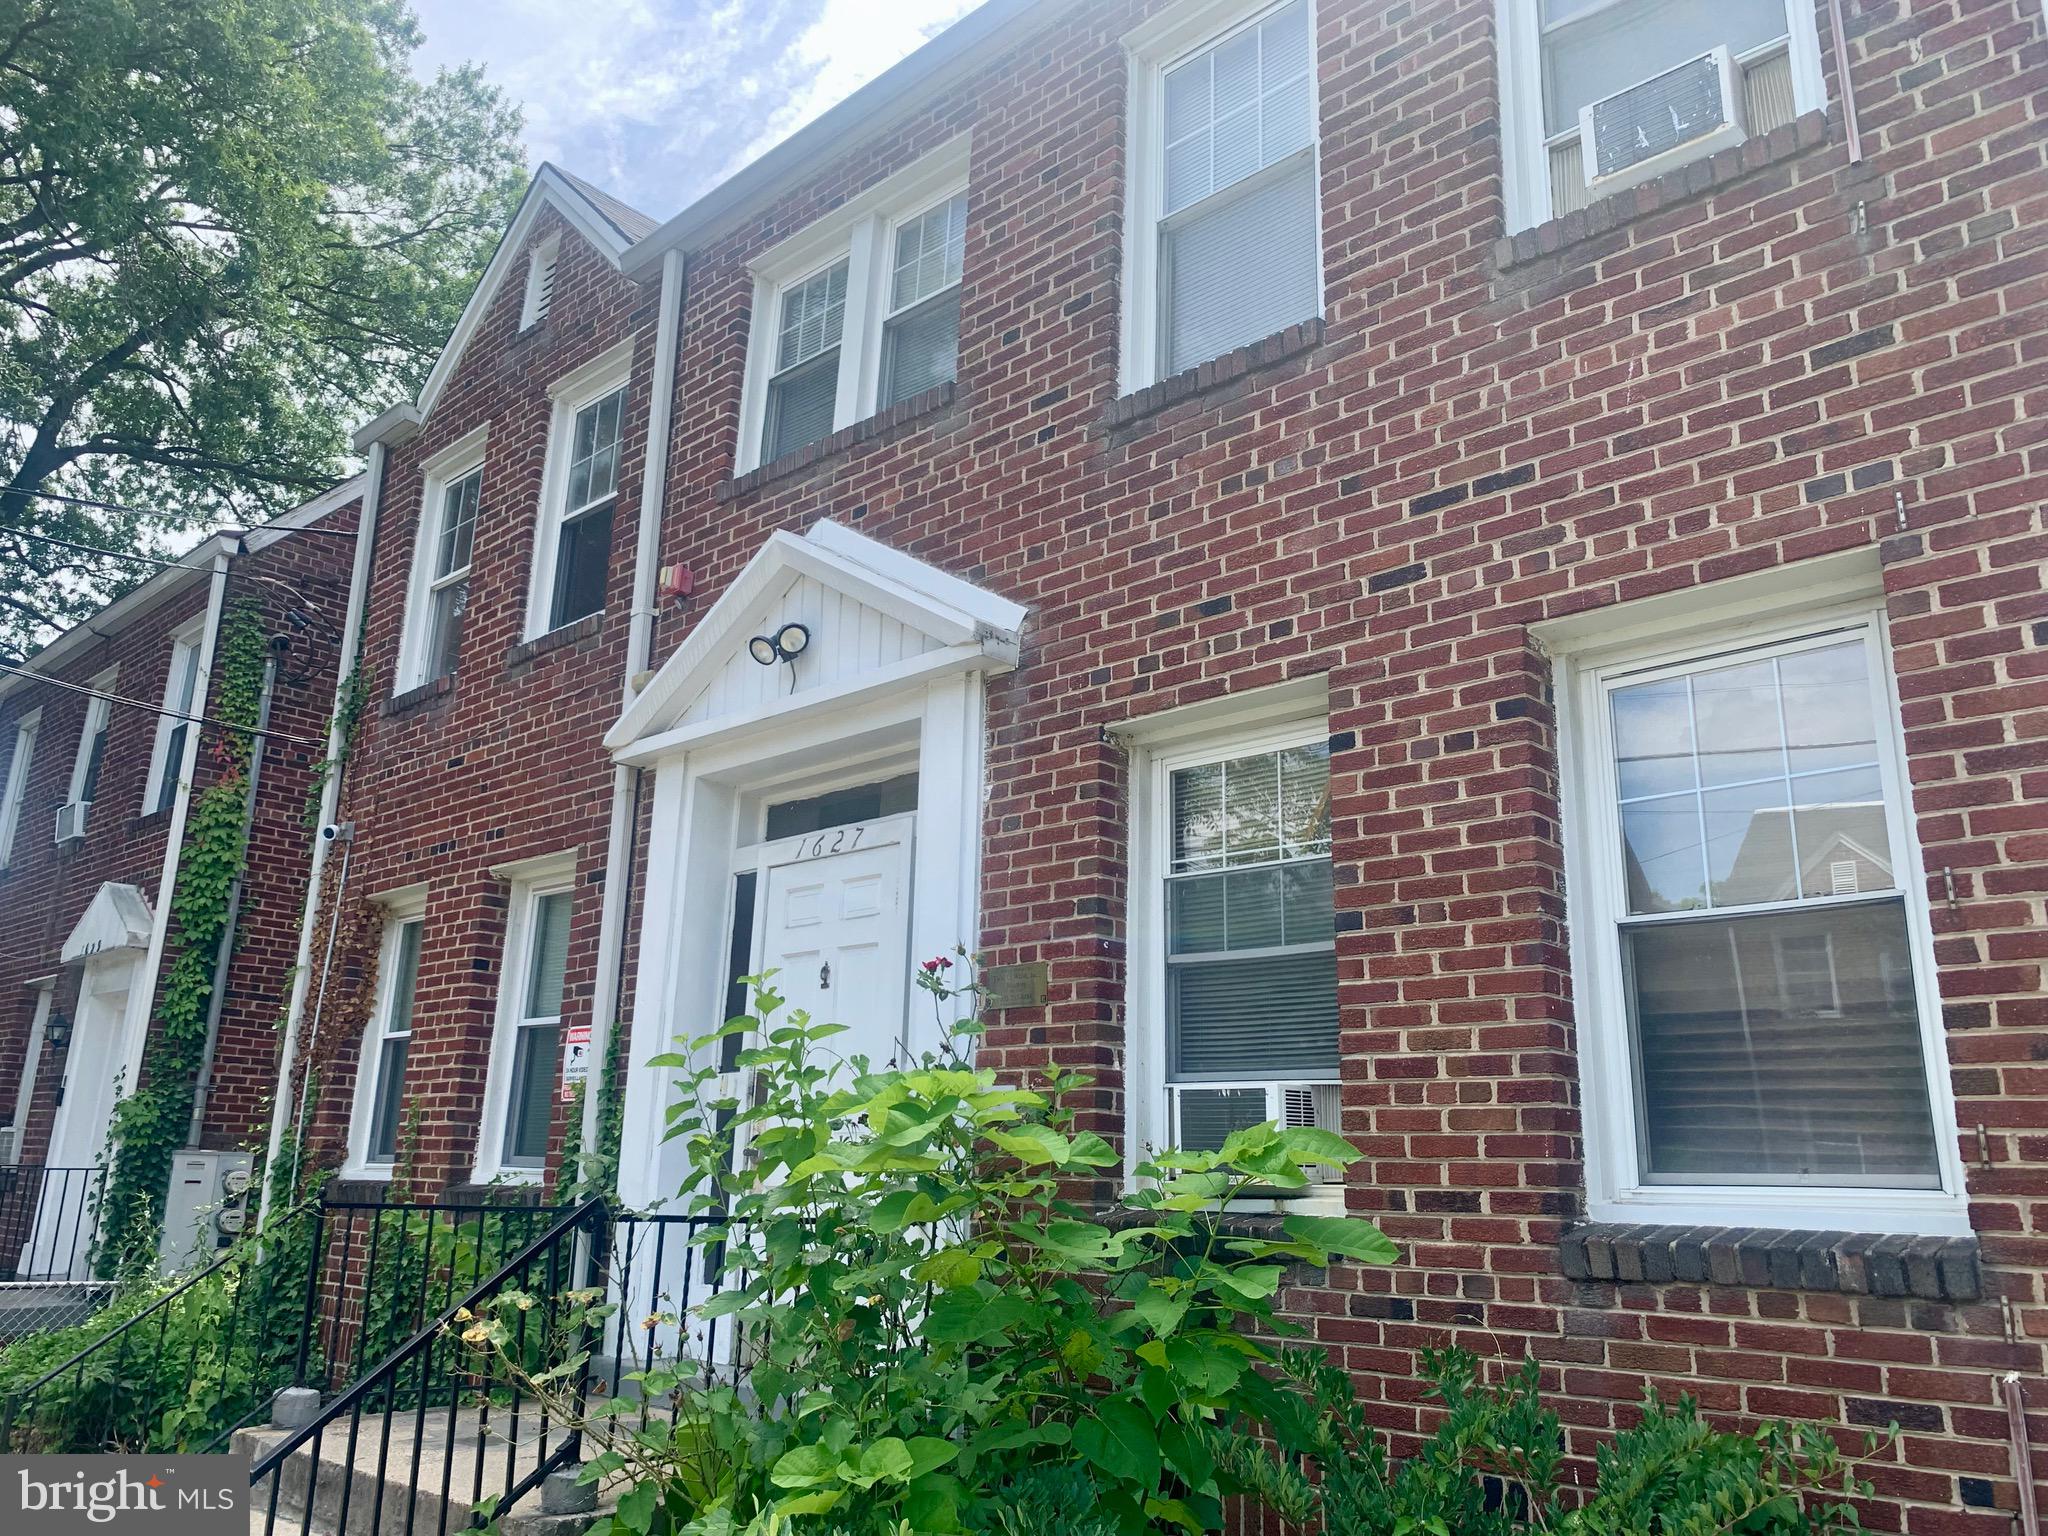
[(92, 752), (451, 495), (1762, 1036), (921, 335), (1665, 81), (1226, 248), (526, 1056), (811, 321), (378, 1121), (173, 724), (1238, 943), (15, 794), (572, 563), (861, 311)]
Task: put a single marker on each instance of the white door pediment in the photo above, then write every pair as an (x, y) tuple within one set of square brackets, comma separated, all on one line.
[(118, 917), (877, 620)]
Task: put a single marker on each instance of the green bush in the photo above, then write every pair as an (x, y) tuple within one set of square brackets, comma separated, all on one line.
[(1492, 1466), (927, 1318)]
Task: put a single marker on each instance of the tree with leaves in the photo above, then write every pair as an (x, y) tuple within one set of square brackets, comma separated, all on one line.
[(230, 231)]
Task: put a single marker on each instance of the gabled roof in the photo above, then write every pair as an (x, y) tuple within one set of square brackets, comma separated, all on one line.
[(875, 615), (117, 917), (610, 226)]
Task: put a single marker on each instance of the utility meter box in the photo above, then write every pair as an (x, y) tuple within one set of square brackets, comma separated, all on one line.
[(207, 1206)]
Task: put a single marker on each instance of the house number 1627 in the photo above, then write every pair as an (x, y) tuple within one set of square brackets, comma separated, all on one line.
[(833, 840)]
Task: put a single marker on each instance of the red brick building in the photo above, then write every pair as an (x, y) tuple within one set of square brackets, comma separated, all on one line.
[(110, 733), (1379, 566)]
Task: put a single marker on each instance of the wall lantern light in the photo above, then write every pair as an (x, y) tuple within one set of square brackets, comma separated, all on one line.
[(57, 1032), (786, 644)]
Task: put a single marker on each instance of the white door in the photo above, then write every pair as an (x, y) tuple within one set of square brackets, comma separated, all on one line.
[(835, 930), (67, 1213)]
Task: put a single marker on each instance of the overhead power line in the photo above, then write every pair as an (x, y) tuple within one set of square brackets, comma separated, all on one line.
[(158, 709), (115, 506)]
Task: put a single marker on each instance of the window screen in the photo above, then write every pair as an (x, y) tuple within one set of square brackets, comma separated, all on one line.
[(1251, 975), (448, 591), (1765, 949), (584, 548)]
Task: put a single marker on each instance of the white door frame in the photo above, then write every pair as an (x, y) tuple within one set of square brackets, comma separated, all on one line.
[(699, 795)]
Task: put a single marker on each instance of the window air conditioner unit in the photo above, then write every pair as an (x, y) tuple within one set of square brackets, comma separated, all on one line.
[(71, 821), (1205, 1113), (1662, 122)]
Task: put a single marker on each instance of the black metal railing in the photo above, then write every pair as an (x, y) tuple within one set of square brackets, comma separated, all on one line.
[(329, 1290), (49, 1222), (387, 1267), (435, 1435), (423, 1424), (175, 1369)]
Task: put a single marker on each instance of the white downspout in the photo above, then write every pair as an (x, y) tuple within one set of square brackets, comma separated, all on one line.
[(282, 1100), (142, 998), (611, 932)]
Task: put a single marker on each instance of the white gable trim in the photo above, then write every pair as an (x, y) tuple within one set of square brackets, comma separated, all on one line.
[(117, 917), (549, 189), (976, 630)]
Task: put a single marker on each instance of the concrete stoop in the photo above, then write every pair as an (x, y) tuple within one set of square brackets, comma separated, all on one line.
[(411, 1506)]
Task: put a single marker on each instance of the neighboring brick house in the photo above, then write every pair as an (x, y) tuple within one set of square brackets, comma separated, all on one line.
[(107, 740), (1208, 506)]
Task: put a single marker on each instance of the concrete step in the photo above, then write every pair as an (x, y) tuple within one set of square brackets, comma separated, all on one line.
[(473, 1450)]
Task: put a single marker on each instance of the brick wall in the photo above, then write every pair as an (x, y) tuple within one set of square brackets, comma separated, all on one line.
[(1757, 363), (1745, 368), (505, 763)]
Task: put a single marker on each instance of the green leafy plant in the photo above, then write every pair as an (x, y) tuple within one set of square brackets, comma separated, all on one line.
[(925, 1311), (1493, 1466)]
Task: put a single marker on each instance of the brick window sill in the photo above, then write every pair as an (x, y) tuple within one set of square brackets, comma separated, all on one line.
[(418, 698), (1675, 186), (1215, 373), (1859, 1264), (882, 423), (589, 625)]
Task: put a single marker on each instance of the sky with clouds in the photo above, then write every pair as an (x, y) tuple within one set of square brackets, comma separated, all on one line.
[(657, 101)]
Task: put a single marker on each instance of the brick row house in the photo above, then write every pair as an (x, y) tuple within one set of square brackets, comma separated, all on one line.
[(110, 734), (1377, 566)]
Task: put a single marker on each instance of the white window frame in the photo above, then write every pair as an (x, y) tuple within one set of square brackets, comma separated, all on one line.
[(585, 386), (1151, 51), (1525, 147), (1616, 1190), (457, 461), (99, 716), (861, 232), (19, 763), (1266, 721), (185, 647), (401, 909), (551, 874)]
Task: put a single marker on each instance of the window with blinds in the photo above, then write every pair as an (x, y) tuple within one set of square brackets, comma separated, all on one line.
[(174, 723), (383, 1059), (1251, 969), (1765, 952), (805, 387), (1238, 236), (1592, 49), (536, 1036), (921, 336)]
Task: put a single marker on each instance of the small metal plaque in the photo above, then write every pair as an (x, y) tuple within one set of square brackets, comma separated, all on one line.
[(1015, 986)]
